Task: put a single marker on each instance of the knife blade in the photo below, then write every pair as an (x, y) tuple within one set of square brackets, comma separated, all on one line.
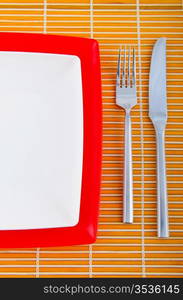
[(158, 115)]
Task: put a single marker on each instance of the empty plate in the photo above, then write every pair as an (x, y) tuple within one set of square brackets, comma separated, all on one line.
[(50, 140)]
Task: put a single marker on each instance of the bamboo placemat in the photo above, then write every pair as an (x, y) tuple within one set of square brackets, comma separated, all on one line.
[(121, 250)]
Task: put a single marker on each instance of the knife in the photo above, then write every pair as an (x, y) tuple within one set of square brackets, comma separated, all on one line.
[(158, 115)]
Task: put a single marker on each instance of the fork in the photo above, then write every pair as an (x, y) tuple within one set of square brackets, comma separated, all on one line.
[(126, 98)]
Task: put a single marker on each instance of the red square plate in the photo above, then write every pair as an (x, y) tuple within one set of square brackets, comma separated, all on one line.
[(87, 51)]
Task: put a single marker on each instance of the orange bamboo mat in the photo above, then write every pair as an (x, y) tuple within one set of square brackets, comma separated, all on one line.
[(121, 250)]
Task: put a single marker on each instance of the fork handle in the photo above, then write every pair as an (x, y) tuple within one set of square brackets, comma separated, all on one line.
[(128, 180), (162, 207)]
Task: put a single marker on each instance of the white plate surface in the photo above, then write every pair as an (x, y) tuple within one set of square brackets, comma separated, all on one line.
[(41, 140)]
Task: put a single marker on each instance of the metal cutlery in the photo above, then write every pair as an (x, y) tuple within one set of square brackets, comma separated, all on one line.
[(126, 98), (158, 115)]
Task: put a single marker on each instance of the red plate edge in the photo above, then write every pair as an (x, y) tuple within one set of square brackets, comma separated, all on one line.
[(88, 52)]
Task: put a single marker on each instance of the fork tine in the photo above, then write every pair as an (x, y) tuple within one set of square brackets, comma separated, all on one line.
[(118, 69), (124, 68), (128, 74), (133, 69)]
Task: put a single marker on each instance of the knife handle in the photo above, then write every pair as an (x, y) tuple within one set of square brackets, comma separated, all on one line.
[(162, 206), (127, 176)]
